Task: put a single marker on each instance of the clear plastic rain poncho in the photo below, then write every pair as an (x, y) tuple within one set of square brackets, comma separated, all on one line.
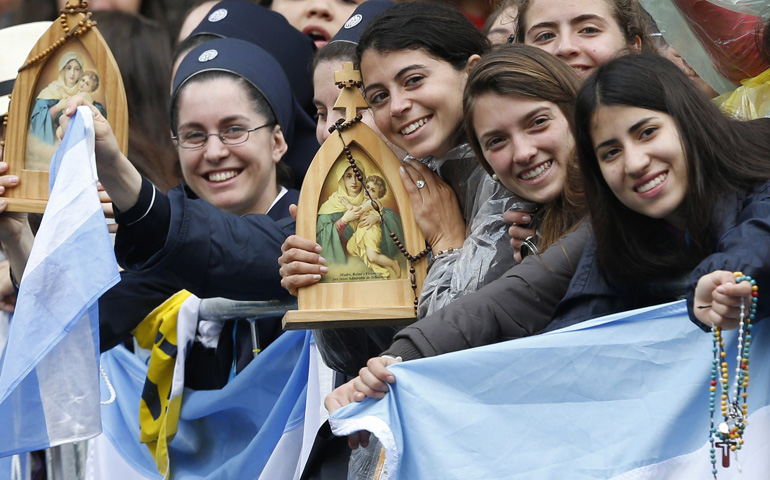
[(485, 255), (720, 40)]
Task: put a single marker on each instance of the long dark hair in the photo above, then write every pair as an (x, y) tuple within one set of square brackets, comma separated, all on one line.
[(722, 156), (530, 73), (143, 52), (441, 31)]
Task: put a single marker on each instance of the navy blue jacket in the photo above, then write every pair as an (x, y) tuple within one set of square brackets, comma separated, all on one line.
[(741, 243), (174, 242)]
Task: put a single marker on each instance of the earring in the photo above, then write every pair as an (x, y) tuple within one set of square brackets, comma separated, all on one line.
[(494, 177)]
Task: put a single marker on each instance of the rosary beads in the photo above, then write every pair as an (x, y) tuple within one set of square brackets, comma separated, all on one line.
[(340, 126), (734, 406)]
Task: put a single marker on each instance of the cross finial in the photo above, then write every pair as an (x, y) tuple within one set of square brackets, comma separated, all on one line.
[(725, 447), (347, 77), (350, 98)]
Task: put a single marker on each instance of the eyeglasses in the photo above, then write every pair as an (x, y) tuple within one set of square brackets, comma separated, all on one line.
[(232, 135)]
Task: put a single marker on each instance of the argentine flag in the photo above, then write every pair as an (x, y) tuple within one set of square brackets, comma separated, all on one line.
[(620, 397), (49, 374), (260, 425)]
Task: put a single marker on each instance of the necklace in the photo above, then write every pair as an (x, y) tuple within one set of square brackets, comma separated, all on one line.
[(80, 28), (728, 435), (412, 259)]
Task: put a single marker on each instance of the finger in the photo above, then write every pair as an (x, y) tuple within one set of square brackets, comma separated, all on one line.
[(303, 268), (300, 256), (377, 366), (742, 289), (360, 385), (293, 211), (414, 175), (730, 295), (354, 440), (109, 212), (415, 197), (725, 310), (3, 167), (293, 282), (7, 181), (369, 384), (726, 322), (300, 243), (516, 217), (520, 233), (421, 169), (363, 438), (76, 101)]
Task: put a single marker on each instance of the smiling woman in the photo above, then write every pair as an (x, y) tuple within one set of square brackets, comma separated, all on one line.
[(231, 119), (679, 195), (583, 33), (234, 168), (413, 76)]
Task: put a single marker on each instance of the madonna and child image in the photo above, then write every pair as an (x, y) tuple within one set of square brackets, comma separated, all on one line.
[(355, 222), (67, 73)]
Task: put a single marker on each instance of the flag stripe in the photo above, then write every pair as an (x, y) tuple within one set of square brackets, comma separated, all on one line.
[(595, 400), (49, 390)]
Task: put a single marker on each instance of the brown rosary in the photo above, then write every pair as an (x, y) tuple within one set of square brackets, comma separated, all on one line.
[(339, 127), (79, 29)]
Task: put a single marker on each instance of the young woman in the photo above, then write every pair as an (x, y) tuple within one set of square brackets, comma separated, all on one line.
[(341, 49), (294, 51), (413, 77), (678, 194), (583, 33), (531, 150)]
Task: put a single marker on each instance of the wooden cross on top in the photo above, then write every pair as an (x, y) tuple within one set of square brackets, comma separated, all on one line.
[(350, 98)]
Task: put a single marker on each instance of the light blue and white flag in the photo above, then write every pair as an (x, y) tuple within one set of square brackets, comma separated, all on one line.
[(257, 426), (49, 374), (620, 397)]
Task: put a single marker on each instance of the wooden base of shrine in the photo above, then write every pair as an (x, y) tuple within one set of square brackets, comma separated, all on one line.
[(348, 317), (26, 205)]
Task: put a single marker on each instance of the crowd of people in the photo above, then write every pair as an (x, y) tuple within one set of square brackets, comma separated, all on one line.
[(562, 161)]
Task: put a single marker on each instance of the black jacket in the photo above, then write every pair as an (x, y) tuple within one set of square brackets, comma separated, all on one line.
[(174, 242), (741, 243)]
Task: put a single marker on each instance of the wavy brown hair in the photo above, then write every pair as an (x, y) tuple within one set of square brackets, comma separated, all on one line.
[(533, 74)]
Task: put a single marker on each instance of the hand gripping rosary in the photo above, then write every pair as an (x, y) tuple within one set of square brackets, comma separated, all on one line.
[(728, 434)]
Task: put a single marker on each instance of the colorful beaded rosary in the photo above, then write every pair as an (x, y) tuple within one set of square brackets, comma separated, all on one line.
[(340, 126), (734, 408)]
